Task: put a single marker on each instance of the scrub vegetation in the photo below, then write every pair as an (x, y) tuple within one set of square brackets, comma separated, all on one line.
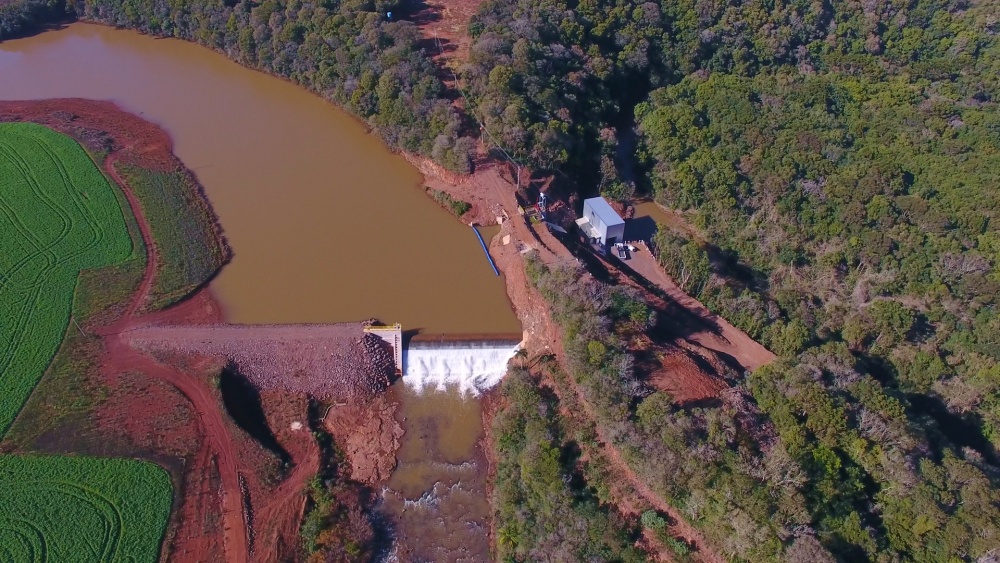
[(456, 206), (334, 525), (698, 458), (541, 509), (61, 220)]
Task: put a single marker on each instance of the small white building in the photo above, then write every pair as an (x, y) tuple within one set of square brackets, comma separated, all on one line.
[(600, 222)]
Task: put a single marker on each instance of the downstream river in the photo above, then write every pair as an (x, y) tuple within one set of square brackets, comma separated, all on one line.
[(326, 224)]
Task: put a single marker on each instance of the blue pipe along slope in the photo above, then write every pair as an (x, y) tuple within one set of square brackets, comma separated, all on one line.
[(486, 250)]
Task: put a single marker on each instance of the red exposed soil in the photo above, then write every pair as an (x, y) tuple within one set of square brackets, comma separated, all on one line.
[(680, 376), (369, 435), (444, 24), (228, 505), (101, 127), (447, 21)]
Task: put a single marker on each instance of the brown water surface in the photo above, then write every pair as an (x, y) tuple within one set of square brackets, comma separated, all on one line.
[(435, 500), (647, 215), (326, 224)]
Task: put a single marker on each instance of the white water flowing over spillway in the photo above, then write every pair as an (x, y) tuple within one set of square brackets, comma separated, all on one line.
[(472, 367)]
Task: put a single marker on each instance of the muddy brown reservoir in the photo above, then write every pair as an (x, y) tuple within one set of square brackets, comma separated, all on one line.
[(326, 224)]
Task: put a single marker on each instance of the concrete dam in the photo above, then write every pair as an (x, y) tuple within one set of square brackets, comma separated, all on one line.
[(331, 360), (470, 366)]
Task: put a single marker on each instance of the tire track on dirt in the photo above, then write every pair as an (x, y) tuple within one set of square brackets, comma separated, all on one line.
[(235, 532)]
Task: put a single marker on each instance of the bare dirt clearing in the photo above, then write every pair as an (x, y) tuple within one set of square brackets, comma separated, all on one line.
[(444, 25), (369, 436)]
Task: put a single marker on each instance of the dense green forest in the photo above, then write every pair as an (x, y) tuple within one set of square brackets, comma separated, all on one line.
[(540, 514), (839, 162)]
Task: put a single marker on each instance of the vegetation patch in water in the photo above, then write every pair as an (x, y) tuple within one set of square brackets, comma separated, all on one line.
[(456, 206)]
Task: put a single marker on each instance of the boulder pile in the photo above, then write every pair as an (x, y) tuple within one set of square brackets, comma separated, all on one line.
[(379, 365)]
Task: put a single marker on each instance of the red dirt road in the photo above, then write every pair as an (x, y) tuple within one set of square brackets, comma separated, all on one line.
[(121, 357), (717, 335), (220, 446)]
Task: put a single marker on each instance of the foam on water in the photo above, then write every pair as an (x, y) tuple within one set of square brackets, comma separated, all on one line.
[(472, 367)]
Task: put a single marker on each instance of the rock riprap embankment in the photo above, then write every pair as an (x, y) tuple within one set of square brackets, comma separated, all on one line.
[(337, 361)]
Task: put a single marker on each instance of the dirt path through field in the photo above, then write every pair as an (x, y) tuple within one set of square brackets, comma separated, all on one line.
[(121, 357), (235, 531), (141, 295)]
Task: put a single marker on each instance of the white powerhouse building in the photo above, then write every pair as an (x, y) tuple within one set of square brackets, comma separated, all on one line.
[(600, 222)]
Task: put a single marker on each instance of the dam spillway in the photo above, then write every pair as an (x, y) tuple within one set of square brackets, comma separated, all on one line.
[(470, 366), (322, 357)]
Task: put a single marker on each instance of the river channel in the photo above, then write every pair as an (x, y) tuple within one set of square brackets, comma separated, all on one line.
[(326, 225), (325, 222)]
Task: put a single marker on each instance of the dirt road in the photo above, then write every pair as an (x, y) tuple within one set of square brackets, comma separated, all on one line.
[(716, 333), (122, 358)]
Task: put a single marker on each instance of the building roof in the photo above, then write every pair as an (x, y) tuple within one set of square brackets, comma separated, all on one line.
[(600, 206)]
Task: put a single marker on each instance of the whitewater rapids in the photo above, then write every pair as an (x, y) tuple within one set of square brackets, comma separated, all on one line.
[(472, 367)]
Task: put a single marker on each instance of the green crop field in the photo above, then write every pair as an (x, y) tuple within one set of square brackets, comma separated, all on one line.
[(60, 216), (81, 509)]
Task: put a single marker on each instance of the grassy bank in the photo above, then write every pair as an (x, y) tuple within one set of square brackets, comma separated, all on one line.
[(190, 244)]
